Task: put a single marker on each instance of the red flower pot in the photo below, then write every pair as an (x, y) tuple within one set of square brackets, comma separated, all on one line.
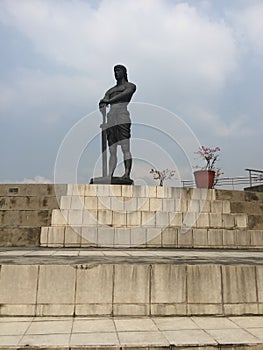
[(204, 178)]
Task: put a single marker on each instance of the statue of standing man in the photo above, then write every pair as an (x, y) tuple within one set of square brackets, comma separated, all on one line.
[(118, 126)]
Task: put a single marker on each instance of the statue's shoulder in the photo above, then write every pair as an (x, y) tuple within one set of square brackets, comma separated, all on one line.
[(131, 86)]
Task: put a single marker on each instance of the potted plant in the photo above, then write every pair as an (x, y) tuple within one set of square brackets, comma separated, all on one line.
[(162, 175), (205, 177)]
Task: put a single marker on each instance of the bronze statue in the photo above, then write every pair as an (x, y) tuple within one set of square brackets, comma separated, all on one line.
[(118, 125)]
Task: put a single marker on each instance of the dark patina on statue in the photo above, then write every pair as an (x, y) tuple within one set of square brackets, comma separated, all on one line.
[(116, 128)]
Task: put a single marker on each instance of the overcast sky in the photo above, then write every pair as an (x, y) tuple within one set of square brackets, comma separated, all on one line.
[(200, 60)]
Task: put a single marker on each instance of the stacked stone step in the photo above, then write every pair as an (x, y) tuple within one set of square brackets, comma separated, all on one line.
[(153, 216), (24, 208)]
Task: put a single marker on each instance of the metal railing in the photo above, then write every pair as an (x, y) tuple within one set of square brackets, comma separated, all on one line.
[(255, 178)]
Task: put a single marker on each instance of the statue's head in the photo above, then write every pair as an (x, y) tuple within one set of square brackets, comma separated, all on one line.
[(120, 71)]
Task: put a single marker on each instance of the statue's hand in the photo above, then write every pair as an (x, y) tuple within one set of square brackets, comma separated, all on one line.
[(104, 102)]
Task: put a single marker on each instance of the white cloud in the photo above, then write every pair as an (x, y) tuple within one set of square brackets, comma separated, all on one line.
[(36, 180)]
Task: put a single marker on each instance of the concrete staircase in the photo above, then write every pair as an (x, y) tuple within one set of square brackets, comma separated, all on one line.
[(134, 267)]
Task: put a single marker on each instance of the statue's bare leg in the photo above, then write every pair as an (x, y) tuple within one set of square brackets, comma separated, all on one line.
[(125, 146), (113, 159)]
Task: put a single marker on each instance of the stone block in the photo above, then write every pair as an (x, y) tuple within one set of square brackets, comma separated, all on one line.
[(204, 309), (239, 284), (180, 205), (154, 237), (202, 220), (44, 236), (176, 219), (91, 203), (156, 204), (72, 189), (229, 238), (256, 238), (134, 219), (94, 284), (151, 191), (89, 236), (243, 238), (241, 309), (89, 309), (56, 284), (215, 220), (259, 279), (241, 220), (56, 236), (140, 191), (91, 190), (77, 202), (44, 310), (185, 239), (130, 204), (160, 192), (226, 207), (103, 190), (72, 236), (122, 237), (255, 222), (143, 204), (117, 204), (127, 191), (162, 219), (90, 217), (168, 205), (169, 237), (59, 217), (131, 309), (131, 284), (105, 236), (205, 206), (228, 220), (168, 284), (168, 309), (118, 219), (204, 284), (105, 217), (18, 310), (18, 284), (193, 206), (177, 193), (215, 238), (138, 236), (148, 218), (116, 191), (75, 217), (217, 207), (65, 202), (104, 203), (190, 219), (200, 238)]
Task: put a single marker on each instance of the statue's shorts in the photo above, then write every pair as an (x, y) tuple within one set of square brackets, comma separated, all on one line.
[(118, 124)]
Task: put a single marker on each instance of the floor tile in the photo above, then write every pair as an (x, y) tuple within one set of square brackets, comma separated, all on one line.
[(93, 339), (51, 339), (136, 324), (10, 340), (248, 322), (142, 338), (189, 337), (93, 325), (214, 322), (175, 323), (13, 328), (50, 327), (257, 332), (232, 336)]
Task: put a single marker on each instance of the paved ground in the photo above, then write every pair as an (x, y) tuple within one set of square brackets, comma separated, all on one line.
[(85, 256), (143, 332)]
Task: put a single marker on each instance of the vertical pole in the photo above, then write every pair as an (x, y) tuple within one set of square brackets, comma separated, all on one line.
[(104, 142)]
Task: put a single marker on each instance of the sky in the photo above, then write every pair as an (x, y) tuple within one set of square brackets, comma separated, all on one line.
[(197, 65)]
